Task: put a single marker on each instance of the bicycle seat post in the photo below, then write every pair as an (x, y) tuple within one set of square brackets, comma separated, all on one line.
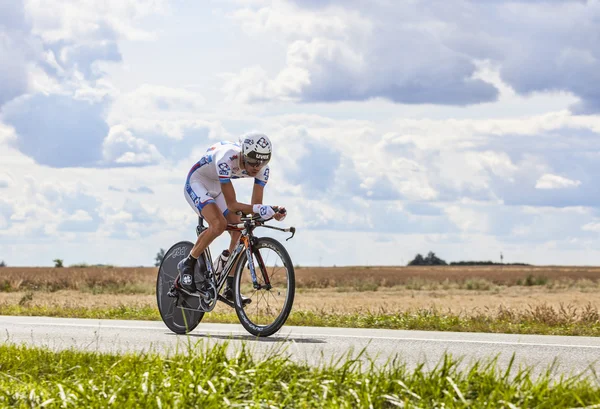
[(200, 228)]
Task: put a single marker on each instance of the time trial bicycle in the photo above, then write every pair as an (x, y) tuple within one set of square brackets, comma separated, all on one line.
[(264, 273)]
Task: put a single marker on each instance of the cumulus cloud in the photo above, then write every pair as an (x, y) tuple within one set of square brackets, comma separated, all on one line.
[(80, 221), (440, 162), (17, 48), (415, 53), (549, 181), (121, 147), (166, 118), (6, 211), (142, 190), (65, 132), (345, 56), (51, 54), (66, 197), (592, 226), (6, 180)]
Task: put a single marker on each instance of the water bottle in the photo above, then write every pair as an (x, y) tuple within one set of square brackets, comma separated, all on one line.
[(220, 262)]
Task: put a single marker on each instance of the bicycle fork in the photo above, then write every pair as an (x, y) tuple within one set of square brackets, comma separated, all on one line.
[(261, 266)]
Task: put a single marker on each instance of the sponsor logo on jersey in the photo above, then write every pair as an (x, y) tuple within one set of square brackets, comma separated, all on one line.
[(234, 157), (224, 169), (197, 201), (266, 174)]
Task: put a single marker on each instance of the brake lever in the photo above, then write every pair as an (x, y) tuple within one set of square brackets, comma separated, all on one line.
[(293, 231)]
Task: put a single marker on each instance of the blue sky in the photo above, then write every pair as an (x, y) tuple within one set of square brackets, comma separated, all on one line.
[(467, 128)]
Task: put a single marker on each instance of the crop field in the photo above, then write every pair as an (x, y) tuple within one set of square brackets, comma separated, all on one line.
[(513, 299), (120, 278)]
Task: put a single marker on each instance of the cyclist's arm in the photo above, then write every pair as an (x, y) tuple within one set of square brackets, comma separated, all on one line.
[(257, 194), (232, 204)]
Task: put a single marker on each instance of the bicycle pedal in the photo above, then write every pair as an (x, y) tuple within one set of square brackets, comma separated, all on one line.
[(173, 293)]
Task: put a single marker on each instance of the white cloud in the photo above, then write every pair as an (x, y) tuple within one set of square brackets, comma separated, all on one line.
[(549, 181), (398, 178), (158, 109), (285, 19), (80, 216), (592, 226), (410, 53), (6, 211), (92, 20), (469, 219), (6, 180), (340, 55), (121, 147)]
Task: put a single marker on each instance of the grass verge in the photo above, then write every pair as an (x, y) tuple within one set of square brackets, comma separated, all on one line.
[(214, 377), (540, 319)]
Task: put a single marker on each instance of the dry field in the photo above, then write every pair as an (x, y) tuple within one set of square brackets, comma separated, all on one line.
[(14, 278), (334, 289)]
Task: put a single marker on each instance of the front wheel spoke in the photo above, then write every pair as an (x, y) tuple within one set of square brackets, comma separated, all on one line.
[(254, 292), (262, 297), (272, 276), (267, 310), (275, 298)]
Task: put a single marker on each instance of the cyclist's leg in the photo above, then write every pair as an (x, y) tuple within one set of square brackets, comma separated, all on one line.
[(233, 218), (199, 198)]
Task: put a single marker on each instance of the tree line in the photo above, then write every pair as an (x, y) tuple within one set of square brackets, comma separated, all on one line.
[(432, 260)]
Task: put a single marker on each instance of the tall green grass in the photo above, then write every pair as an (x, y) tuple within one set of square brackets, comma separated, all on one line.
[(217, 377)]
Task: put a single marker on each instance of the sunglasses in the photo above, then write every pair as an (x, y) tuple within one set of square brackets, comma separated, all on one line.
[(256, 163)]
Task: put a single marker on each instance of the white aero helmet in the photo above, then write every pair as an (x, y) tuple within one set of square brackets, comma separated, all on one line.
[(256, 148)]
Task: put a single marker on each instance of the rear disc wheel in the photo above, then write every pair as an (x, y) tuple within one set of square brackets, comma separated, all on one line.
[(177, 319)]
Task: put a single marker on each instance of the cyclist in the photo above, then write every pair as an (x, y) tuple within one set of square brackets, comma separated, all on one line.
[(208, 189)]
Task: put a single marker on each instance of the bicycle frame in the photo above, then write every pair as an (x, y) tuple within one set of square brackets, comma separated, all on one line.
[(246, 227), (233, 258)]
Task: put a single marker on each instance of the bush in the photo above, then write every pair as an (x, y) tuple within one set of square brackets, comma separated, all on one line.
[(58, 263), (2, 263), (532, 280), (159, 257), (430, 260), (485, 263)]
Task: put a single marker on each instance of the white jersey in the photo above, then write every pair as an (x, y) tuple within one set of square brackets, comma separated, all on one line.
[(219, 165), (222, 163)]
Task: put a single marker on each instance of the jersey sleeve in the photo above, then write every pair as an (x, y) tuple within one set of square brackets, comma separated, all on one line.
[(263, 176), (223, 165)]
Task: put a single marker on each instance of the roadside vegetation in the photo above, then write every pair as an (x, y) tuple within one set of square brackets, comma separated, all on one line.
[(499, 299), (540, 319), (218, 376), (108, 279)]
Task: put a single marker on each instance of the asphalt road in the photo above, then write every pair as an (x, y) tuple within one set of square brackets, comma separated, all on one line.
[(315, 345)]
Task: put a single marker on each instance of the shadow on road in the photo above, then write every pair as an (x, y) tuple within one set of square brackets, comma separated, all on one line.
[(257, 339)]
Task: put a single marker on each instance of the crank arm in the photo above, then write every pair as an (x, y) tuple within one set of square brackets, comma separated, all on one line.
[(225, 301), (197, 294)]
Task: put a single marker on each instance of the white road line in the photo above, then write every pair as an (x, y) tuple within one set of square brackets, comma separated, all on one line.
[(464, 341)]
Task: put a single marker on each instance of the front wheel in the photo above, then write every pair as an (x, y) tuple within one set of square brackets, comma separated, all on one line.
[(271, 303)]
